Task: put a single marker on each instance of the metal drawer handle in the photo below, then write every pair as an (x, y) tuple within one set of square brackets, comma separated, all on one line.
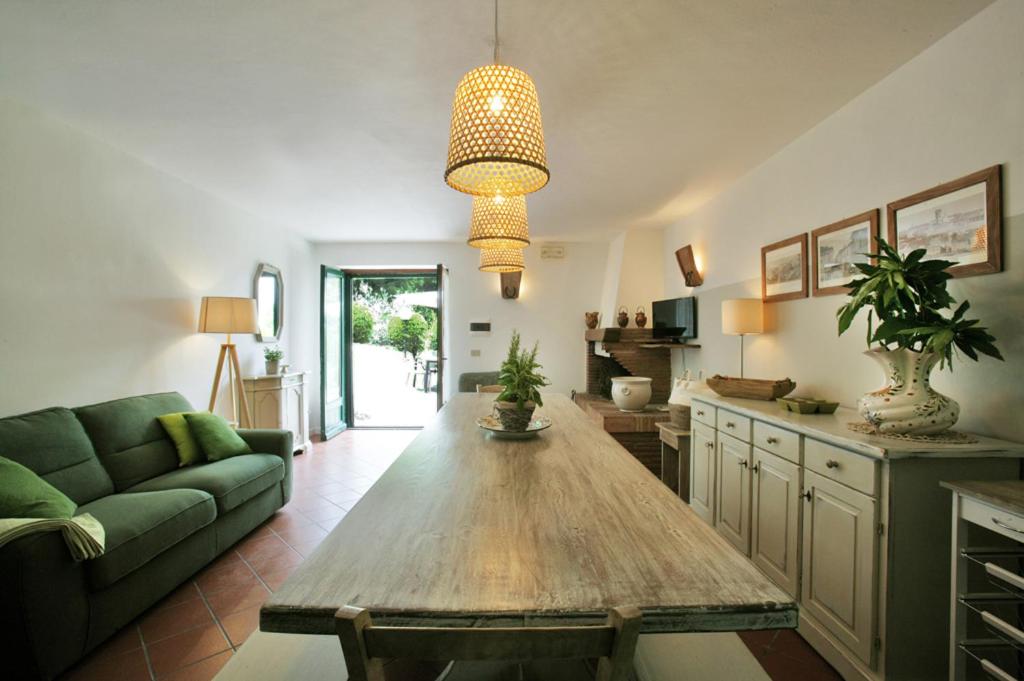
[(831, 463), (807, 495), (773, 440), (730, 424), (743, 464), (700, 412), (1006, 527), (755, 468)]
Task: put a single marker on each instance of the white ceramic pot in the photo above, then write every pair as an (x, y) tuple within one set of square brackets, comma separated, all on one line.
[(631, 393), (907, 404)]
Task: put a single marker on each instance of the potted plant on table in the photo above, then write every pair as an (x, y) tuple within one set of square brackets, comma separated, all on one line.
[(908, 297), (273, 356), (521, 385)]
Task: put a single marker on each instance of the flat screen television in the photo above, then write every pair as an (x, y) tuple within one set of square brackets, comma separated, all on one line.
[(675, 319)]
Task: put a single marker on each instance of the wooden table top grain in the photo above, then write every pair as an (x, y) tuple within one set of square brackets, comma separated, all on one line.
[(467, 530)]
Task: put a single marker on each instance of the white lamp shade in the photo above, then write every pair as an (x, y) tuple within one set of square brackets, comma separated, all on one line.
[(742, 316), (219, 314)]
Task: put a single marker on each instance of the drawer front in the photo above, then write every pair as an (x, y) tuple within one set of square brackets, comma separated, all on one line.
[(845, 467), (1001, 522), (733, 424), (778, 441), (703, 412)]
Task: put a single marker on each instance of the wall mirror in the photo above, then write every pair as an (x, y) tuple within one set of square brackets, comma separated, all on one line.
[(268, 290)]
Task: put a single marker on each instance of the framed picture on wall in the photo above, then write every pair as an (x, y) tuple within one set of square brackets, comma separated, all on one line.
[(784, 269), (837, 248), (959, 221)]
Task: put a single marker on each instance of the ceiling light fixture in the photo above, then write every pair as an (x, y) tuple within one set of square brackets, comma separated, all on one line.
[(496, 144), (499, 222), (501, 260)]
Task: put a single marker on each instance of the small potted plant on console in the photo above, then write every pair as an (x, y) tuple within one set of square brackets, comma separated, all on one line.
[(521, 386)]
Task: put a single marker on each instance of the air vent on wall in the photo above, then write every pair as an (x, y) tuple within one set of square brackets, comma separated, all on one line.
[(552, 252)]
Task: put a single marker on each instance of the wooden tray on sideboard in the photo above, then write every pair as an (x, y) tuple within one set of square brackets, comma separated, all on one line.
[(750, 388)]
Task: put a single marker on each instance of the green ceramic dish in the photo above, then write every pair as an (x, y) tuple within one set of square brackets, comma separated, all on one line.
[(807, 405)]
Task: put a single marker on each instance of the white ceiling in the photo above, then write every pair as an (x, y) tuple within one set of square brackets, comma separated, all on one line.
[(331, 117)]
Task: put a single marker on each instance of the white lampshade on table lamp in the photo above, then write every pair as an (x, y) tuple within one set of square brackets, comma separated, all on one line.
[(742, 316), (219, 314)]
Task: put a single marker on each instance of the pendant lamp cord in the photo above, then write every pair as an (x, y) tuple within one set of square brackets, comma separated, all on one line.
[(495, 31)]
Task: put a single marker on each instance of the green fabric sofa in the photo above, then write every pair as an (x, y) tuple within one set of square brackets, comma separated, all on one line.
[(162, 523)]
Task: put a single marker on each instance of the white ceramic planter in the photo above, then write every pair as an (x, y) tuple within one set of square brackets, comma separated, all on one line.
[(907, 403), (631, 393)]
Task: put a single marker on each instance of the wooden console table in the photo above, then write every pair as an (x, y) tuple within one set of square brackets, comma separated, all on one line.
[(675, 458)]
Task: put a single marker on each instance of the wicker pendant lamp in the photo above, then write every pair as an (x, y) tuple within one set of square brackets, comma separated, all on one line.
[(497, 140), (501, 260), (499, 222)]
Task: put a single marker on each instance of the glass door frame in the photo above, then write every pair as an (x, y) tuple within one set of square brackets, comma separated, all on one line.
[(351, 274), (327, 272)]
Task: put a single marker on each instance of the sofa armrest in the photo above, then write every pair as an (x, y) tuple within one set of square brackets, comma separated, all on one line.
[(44, 607), (276, 442)]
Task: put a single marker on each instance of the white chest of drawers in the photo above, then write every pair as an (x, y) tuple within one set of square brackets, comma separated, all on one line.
[(853, 526), (280, 402)]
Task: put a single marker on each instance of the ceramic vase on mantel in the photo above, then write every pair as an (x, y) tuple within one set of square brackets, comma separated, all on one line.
[(907, 404)]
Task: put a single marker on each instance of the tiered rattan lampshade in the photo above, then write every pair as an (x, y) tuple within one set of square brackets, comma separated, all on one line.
[(497, 140), (501, 260), (499, 222)]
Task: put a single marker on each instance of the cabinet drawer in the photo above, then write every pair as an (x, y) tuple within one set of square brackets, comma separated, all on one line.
[(778, 441), (852, 470), (1001, 522), (733, 424), (703, 412)]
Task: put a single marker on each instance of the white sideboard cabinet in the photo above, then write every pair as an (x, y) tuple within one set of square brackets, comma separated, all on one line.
[(281, 401), (853, 526)]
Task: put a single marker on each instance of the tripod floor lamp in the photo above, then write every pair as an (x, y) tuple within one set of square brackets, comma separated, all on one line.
[(740, 317), (219, 314)]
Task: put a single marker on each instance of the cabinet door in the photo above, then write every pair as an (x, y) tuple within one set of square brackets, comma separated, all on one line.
[(840, 561), (702, 471), (732, 512), (774, 519)]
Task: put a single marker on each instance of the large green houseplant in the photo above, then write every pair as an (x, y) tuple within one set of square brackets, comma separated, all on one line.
[(521, 383), (910, 330)]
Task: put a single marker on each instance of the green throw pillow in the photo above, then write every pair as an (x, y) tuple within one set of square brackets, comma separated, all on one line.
[(217, 439), (179, 432), (23, 494)]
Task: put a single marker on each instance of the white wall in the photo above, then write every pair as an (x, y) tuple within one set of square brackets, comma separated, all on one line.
[(550, 307), (103, 261), (634, 275), (956, 108)]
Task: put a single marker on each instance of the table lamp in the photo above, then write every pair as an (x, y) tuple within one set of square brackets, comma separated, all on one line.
[(741, 316), (219, 314)]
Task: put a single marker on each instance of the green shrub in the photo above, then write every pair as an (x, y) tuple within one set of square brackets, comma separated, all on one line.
[(408, 335), (362, 324)]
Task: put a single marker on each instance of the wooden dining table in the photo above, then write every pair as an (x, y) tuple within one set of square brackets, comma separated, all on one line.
[(468, 530)]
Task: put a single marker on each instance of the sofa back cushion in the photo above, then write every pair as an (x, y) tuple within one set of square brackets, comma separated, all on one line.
[(53, 445), (129, 440)]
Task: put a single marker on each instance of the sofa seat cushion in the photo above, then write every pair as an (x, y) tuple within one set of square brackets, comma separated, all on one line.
[(141, 526), (232, 482)]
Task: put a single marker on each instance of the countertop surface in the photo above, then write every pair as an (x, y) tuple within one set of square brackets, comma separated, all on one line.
[(833, 428), (1006, 495)]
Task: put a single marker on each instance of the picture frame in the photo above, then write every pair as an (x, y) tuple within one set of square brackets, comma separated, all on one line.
[(960, 220), (836, 248), (784, 269)]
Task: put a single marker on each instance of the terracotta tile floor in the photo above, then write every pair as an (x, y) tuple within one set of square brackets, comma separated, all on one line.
[(191, 634)]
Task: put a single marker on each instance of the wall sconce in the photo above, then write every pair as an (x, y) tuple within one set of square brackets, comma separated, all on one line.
[(688, 266), (510, 282)]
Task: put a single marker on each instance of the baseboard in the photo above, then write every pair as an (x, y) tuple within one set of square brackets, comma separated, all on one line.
[(848, 667)]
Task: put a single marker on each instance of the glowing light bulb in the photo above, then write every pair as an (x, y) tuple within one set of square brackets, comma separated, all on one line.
[(497, 103), (498, 198)]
